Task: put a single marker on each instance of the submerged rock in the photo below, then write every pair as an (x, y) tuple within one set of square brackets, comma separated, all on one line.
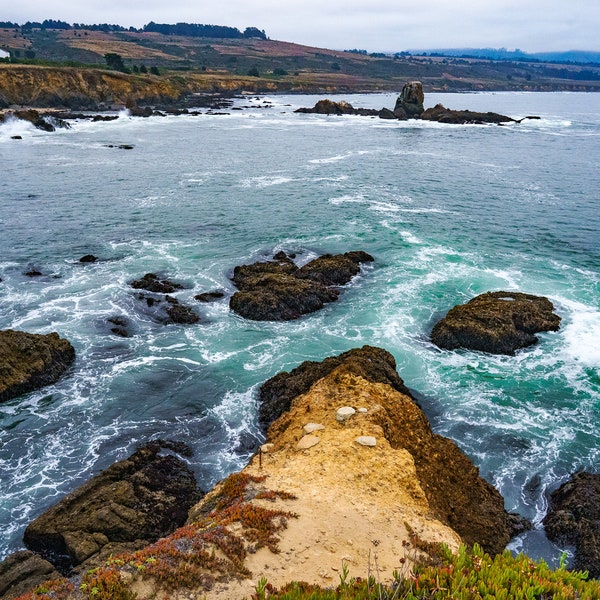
[(280, 291), (135, 501), (496, 322), (573, 519), (152, 283), (30, 361)]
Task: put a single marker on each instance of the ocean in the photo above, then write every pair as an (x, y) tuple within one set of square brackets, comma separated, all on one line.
[(448, 212)]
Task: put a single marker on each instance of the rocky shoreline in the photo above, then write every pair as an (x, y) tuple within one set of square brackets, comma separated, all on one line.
[(349, 459), (350, 456), (409, 105)]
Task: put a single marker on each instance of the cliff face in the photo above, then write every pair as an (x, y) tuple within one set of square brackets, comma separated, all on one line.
[(87, 88)]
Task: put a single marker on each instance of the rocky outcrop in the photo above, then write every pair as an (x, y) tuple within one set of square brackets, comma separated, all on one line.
[(441, 114), (573, 519), (167, 309), (278, 290), (45, 122), (22, 571), (409, 104), (329, 107), (130, 504), (152, 283), (29, 361), (496, 322)]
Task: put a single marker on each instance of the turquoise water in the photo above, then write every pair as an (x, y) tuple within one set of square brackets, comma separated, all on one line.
[(447, 211)]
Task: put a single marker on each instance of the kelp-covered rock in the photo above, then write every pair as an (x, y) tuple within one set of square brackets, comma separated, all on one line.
[(22, 571), (278, 290), (135, 501), (573, 519), (496, 322), (29, 361), (365, 380)]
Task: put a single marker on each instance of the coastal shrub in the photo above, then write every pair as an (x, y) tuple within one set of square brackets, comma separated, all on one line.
[(471, 574)]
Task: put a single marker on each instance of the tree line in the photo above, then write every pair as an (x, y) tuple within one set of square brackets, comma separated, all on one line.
[(184, 29)]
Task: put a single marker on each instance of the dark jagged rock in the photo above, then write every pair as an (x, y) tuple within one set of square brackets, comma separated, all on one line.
[(179, 313), (496, 322), (274, 297), (88, 258), (152, 283), (209, 296), (386, 113), (120, 326), (329, 107), (280, 291), (456, 494), (441, 114), (29, 361), (333, 270), (409, 104), (573, 519), (45, 122), (16, 137), (33, 273), (135, 501), (371, 363), (22, 571)]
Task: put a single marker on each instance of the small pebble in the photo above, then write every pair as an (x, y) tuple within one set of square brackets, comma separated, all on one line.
[(366, 440), (308, 441), (344, 413), (310, 427)]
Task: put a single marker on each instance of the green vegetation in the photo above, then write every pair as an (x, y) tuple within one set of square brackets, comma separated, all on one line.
[(468, 575)]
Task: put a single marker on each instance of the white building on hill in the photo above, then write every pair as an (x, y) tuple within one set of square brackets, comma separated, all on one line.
[(4, 54)]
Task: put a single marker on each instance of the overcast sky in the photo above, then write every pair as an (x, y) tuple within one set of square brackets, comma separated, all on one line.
[(373, 25)]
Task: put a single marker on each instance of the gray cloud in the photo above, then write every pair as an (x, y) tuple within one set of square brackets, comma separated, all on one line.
[(386, 25)]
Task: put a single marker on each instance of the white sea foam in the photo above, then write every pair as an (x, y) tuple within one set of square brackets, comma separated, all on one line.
[(265, 181), (582, 334)]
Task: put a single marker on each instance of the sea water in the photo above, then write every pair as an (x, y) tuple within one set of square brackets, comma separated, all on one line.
[(448, 212)]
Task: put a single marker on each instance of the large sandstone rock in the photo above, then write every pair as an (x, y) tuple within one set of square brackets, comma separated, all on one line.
[(456, 495), (136, 500), (278, 290), (22, 571), (496, 322), (573, 519), (29, 361)]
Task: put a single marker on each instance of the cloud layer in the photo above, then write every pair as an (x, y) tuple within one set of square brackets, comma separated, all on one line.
[(378, 25)]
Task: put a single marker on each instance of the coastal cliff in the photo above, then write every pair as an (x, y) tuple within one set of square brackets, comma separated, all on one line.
[(79, 88)]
